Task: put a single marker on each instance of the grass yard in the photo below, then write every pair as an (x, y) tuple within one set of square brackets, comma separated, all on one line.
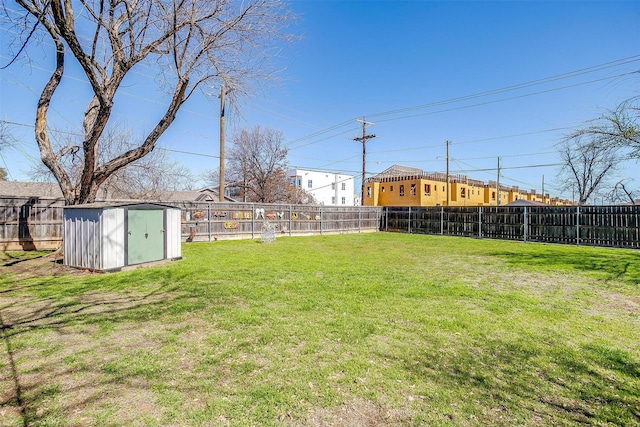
[(352, 330)]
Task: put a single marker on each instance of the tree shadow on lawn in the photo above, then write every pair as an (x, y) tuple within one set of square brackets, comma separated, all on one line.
[(610, 264), (514, 384), (10, 260), (35, 368)]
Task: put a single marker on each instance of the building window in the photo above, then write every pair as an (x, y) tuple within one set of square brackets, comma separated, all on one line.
[(493, 195), (344, 186), (344, 200), (333, 200), (402, 189), (463, 193), (391, 188), (412, 189), (310, 184), (296, 181), (427, 189), (443, 188), (333, 185), (382, 189), (368, 191)]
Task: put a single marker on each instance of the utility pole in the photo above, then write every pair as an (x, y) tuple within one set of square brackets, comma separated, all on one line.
[(447, 196), (221, 186), (498, 185), (363, 139)]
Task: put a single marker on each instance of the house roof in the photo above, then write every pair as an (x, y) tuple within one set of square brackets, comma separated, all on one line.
[(16, 189), (30, 189), (202, 195)]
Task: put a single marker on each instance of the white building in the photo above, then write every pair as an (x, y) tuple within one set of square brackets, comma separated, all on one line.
[(327, 188)]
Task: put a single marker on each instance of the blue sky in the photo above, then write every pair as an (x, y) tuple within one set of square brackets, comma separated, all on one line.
[(423, 71)]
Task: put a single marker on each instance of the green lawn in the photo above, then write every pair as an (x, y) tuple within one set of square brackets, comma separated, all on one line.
[(349, 330)]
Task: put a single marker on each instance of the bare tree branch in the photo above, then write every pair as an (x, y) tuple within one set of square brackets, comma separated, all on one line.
[(147, 178), (258, 165), (587, 164), (193, 43)]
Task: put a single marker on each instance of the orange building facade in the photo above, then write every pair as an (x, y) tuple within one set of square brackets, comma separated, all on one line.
[(405, 186)]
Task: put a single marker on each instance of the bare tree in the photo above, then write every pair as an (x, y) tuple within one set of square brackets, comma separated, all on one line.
[(587, 164), (622, 192), (147, 178), (192, 43), (6, 140), (258, 166), (618, 128)]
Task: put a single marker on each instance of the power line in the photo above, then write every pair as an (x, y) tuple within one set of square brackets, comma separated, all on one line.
[(507, 99), (323, 139), (550, 79), (80, 135), (472, 141), (511, 136), (536, 82)]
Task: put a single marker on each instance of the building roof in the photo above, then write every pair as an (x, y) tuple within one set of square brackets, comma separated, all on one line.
[(119, 204), (399, 170), (30, 189), (523, 202)]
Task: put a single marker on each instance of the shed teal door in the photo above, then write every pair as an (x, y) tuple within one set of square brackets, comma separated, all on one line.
[(145, 235)]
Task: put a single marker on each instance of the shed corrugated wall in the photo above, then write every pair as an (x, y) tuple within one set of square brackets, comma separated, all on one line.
[(82, 236), (173, 233), (113, 235), (95, 238)]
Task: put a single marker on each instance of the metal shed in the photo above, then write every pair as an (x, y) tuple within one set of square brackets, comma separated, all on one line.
[(108, 237)]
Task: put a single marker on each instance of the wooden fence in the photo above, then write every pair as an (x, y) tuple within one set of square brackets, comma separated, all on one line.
[(28, 224), (614, 226)]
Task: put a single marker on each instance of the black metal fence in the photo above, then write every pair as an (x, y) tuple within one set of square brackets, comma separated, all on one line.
[(614, 226)]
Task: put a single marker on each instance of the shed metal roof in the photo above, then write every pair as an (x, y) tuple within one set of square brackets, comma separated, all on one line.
[(113, 205)]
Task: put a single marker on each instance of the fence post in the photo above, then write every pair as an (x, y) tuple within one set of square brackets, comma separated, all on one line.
[(385, 211), (209, 219), (290, 224), (253, 219), (409, 224), (525, 224), (321, 221), (480, 222), (578, 225), (360, 219), (441, 220)]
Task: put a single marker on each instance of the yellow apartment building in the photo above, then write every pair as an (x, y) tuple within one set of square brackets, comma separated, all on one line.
[(407, 186)]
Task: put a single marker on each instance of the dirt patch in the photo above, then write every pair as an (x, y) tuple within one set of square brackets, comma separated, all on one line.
[(26, 265), (358, 413)]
